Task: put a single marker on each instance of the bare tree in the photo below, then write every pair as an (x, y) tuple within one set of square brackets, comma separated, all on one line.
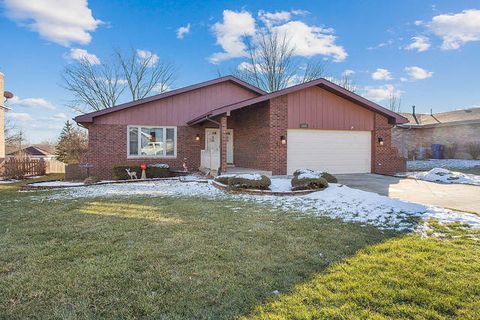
[(144, 73), (15, 138), (394, 102), (346, 82), (96, 86), (271, 65), (93, 86)]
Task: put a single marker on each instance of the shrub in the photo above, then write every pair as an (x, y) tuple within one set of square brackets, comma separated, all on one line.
[(153, 171), (308, 173), (450, 151), (223, 179), (245, 181), (91, 180), (329, 177), (304, 183), (473, 149)]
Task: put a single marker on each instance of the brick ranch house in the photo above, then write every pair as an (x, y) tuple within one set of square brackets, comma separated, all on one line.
[(226, 122), (453, 129)]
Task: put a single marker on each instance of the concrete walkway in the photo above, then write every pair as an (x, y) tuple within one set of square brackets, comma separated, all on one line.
[(452, 196)]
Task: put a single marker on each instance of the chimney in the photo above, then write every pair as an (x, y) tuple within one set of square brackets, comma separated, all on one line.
[(414, 115), (2, 118)]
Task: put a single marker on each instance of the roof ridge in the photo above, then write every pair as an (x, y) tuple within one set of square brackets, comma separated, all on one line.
[(88, 117)]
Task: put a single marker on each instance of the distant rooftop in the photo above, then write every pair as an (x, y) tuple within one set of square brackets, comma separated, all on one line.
[(32, 151), (464, 116)]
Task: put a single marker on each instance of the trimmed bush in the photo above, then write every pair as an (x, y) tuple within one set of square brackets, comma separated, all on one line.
[(91, 180), (309, 183), (245, 181), (329, 177), (153, 171), (223, 179), (308, 173)]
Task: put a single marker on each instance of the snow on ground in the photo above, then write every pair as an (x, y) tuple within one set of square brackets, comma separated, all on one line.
[(417, 165), (445, 176), (8, 181), (308, 174), (249, 176), (280, 185), (337, 201), (56, 184)]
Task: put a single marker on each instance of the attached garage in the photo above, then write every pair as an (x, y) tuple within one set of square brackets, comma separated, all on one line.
[(335, 151)]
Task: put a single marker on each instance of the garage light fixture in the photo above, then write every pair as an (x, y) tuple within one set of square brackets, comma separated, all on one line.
[(380, 141), (283, 140), (197, 137)]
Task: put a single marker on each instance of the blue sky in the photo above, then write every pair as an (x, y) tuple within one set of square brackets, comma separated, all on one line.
[(425, 52)]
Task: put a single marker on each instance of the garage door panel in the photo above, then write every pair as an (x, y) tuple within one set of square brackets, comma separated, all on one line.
[(334, 151)]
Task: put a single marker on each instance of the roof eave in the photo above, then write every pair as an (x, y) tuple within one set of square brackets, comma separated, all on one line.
[(88, 118), (393, 118)]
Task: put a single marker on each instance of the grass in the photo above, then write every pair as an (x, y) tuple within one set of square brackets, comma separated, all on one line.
[(171, 258), (402, 278), (158, 257)]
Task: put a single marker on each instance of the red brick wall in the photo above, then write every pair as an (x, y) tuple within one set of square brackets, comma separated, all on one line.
[(251, 137), (385, 159), (408, 140), (75, 172), (278, 128), (107, 147)]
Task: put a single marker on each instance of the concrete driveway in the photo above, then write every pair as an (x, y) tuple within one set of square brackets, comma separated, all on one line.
[(452, 196)]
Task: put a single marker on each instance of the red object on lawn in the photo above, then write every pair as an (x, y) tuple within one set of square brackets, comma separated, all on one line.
[(143, 166)]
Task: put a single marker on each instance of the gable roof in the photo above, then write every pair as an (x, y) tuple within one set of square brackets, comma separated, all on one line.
[(394, 118), (457, 117), (88, 117), (31, 151)]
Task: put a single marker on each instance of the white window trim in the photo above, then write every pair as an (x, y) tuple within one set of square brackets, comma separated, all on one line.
[(139, 128)]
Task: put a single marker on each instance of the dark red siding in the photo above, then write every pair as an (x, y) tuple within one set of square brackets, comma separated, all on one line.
[(178, 109), (321, 109)]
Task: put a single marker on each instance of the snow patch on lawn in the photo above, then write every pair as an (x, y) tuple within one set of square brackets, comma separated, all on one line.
[(8, 181), (416, 165), (337, 201), (445, 176), (280, 185), (56, 184)]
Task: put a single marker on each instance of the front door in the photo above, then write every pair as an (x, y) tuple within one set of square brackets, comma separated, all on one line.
[(212, 142)]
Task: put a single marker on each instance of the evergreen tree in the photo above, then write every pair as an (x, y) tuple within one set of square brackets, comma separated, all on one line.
[(72, 144)]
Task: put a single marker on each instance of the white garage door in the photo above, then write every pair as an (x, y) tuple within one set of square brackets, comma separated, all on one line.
[(334, 151)]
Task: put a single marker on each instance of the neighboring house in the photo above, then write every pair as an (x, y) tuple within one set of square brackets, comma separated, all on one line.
[(453, 129), (33, 153), (227, 122)]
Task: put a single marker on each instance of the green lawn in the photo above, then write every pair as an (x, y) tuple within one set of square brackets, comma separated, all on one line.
[(170, 258)]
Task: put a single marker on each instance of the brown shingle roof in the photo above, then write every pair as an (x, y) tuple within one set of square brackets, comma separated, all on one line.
[(31, 151), (443, 118)]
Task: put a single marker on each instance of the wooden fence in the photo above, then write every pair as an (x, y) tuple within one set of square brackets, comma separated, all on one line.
[(19, 168), (54, 166)]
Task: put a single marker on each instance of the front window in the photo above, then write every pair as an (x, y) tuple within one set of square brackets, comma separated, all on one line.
[(152, 141)]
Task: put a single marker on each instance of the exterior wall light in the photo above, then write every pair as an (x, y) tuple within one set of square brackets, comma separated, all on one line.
[(197, 137), (283, 140), (380, 141)]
